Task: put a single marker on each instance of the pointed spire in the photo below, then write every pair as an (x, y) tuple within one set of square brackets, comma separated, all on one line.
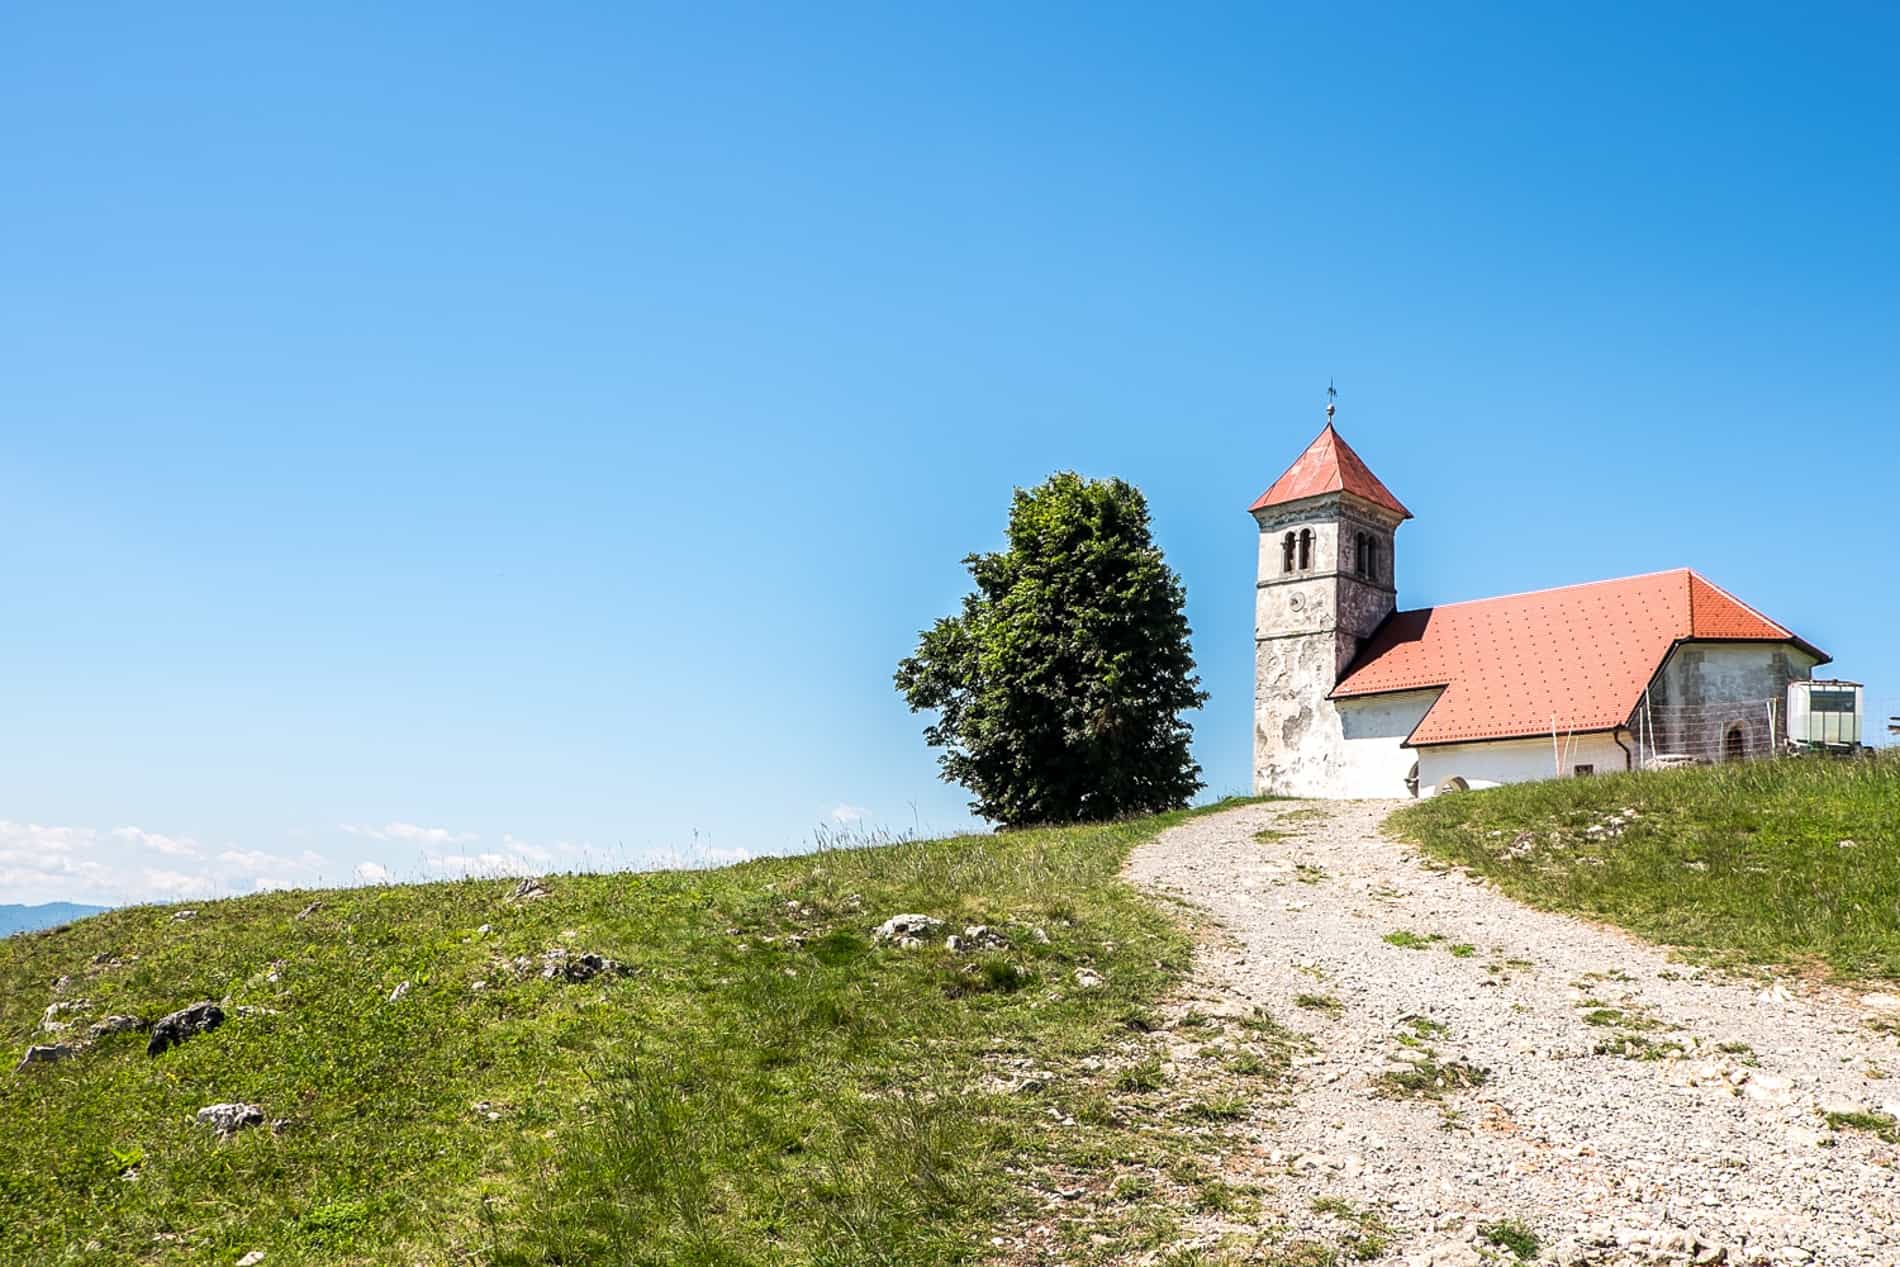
[(1329, 465)]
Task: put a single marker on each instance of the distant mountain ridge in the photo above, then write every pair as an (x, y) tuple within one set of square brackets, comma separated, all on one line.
[(26, 919)]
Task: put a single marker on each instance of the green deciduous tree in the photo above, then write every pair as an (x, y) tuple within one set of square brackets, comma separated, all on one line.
[(1059, 687)]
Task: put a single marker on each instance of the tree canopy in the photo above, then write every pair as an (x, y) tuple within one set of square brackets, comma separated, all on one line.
[(1060, 685)]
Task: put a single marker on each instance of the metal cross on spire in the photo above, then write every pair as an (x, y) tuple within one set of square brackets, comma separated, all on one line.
[(1332, 394)]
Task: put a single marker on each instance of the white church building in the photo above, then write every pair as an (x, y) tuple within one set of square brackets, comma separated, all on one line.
[(1355, 698)]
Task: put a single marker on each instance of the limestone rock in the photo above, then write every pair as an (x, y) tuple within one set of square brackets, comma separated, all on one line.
[(185, 1023), (251, 1259), (51, 1019), (565, 965), (528, 890), (907, 931), (115, 1025), (1088, 979), (228, 1119), (46, 1054), (978, 937)]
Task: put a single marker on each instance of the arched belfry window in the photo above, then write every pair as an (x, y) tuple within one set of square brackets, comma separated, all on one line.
[(1286, 553), (1372, 558), (1306, 548), (1359, 554)]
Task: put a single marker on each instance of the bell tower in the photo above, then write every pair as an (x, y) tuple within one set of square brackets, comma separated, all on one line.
[(1325, 581)]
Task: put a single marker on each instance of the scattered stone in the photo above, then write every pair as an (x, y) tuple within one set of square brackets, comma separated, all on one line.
[(50, 1019), (46, 1054), (1088, 979), (565, 965), (978, 937), (115, 1025), (251, 1259), (185, 1023), (228, 1119), (484, 930), (395, 995), (1734, 1169), (179, 917), (528, 890), (309, 910), (906, 932)]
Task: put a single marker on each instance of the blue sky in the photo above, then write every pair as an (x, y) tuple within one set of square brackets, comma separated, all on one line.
[(454, 437)]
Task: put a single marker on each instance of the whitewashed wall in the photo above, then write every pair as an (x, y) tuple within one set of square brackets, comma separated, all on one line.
[(1514, 760), (1370, 761)]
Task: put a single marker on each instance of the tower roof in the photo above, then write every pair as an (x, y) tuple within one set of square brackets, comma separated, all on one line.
[(1329, 466)]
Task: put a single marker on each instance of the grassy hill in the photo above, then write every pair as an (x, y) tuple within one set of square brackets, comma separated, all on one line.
[(1792, 863), (758, 1082)]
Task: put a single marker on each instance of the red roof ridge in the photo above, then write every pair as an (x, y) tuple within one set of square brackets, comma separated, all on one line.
[(1574, 585), (1748, 607)]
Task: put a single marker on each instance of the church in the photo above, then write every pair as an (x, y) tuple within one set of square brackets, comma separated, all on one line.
[(1355, 698)]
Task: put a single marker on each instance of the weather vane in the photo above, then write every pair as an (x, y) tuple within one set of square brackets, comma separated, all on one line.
[(1332, 394)]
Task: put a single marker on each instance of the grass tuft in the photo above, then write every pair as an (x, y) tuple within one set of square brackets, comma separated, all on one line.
[(1513, 1235)]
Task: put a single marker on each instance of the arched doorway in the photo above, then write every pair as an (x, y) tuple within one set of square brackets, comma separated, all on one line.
[(1735, 743)]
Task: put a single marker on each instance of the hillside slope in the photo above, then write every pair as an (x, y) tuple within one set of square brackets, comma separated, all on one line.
[(444, 1077), (1791, 862)]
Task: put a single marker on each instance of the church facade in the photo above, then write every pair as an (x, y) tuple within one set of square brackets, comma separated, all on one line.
[(1356, 698)]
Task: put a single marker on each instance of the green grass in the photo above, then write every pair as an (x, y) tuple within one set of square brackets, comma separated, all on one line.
[(763, 1086), (1427, 1079), (1513, 1235), (1736, 864), (1880, 1125), (1409, 940)]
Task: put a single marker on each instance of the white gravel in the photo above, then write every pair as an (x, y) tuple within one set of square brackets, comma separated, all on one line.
[(1710, 1156)]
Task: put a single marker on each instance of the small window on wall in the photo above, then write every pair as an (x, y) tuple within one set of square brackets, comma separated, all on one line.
[(1359, 553), (1584, 771), (1286, 553), (1372, 558), (1306, 548)]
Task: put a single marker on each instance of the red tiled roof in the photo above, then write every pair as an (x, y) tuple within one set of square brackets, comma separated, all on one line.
[(1573, 659), (1329, 466)]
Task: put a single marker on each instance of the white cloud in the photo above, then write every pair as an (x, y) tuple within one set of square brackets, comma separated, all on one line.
[(177, 884), (172, 846), (412, 833), (842, 813), (40, 840), (256, 859), (371, 873)]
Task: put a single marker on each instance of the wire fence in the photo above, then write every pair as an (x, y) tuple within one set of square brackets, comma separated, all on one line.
[(1743, 730)]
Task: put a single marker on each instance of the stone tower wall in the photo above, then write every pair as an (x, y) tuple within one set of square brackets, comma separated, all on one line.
[(1308, 626)]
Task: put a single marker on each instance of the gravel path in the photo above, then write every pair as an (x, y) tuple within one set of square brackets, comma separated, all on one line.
[(1705, 1141)]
